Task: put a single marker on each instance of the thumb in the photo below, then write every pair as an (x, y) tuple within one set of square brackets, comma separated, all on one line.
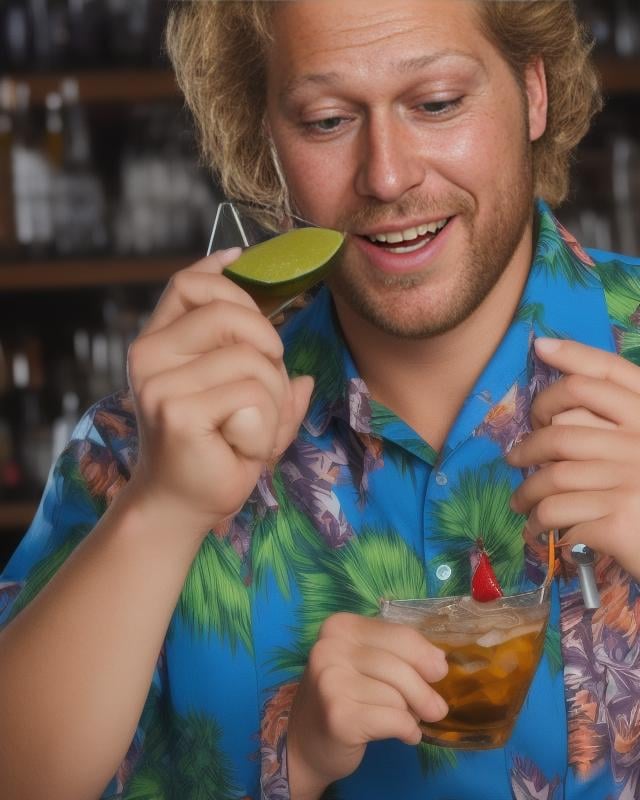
[(301, 391)]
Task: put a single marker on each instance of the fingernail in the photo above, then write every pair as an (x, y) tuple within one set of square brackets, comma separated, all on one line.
[(228, 255), (440, 665), (441, 706), (545, 345)]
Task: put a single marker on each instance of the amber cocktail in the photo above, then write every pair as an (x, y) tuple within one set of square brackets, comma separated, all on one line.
[(492, 650)]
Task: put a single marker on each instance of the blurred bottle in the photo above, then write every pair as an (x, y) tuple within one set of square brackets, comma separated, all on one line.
[(64, 425), (31, 181), (16, 34), (627, 28), (129, 31), (31, 436), (8, 241), (599, 19), (80, 217), (54, 136), (88, 27), (626, 192)]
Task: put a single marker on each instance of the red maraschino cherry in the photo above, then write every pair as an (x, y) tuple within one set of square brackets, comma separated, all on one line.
[(484, 584)]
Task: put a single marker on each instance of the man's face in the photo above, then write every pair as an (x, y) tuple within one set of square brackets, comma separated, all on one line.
[(401, 124)]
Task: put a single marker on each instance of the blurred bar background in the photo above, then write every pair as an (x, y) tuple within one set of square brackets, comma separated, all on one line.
[(102, 198)]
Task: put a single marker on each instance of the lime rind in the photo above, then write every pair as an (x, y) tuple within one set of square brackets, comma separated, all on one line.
[(294, 260)]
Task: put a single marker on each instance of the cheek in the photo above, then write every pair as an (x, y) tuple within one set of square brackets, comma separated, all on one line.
[(478, 156), (318, 179)]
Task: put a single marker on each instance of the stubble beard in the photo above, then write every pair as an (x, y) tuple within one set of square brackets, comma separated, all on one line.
[(387, 302)]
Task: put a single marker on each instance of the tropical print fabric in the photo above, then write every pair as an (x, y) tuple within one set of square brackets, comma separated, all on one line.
[(358, 508)]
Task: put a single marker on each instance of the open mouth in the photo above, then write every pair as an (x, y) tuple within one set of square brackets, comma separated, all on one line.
[(409, 240)]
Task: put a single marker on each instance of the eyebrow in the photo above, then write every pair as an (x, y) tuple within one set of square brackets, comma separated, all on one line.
[(405, 66)]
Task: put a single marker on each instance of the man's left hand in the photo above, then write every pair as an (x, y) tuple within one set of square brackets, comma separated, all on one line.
[(586, 439)]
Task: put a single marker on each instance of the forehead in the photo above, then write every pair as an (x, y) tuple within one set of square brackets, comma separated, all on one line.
[(365, 36)]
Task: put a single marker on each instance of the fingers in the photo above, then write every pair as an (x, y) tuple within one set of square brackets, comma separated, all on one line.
[(573, 443), (565, 476), (197, 285), (576, 358), (610, 402), (403, 641), (207, 411), (216, 325), (568, 509), (397, 656), (381, 710), (580, 416)]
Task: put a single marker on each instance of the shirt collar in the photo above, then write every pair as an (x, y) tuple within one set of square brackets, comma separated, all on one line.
[(563, 297)]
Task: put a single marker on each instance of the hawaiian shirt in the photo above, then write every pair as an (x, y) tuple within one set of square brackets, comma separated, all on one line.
[(360, 507)]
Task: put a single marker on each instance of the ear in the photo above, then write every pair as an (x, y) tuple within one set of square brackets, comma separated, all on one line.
[(536, 88)]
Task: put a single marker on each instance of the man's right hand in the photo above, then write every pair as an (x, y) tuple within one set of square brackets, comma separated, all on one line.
[(366, 680), (213, 399)]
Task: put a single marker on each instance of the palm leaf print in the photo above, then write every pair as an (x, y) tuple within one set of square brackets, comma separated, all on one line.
[(552, 649), (147, 786), (282, 541), (479, 508), (44, 570), (622, 290), (314, 354), (182, 759), (556, 258), (533, 314), (353, 578), (381, 418), (433, 758), (214, 597), (630, 346)]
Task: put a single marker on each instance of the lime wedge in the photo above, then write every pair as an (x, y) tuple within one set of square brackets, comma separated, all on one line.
[(288, 264)]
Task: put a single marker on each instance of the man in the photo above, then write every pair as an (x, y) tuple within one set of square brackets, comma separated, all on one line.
[(464, 341)]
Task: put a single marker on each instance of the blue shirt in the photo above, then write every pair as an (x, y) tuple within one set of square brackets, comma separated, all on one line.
[(361, 507)]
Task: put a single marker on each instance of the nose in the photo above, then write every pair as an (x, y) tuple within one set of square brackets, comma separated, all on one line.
[(390, 163)]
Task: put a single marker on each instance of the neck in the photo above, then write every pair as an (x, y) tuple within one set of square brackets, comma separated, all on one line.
[(426, 381)]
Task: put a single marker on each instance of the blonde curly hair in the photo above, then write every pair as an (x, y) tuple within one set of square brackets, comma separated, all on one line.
[(219, 48)]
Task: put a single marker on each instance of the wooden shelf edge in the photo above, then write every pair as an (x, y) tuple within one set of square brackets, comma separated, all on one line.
[(87, 273), (16, 516), (106, 86), (619, 75)]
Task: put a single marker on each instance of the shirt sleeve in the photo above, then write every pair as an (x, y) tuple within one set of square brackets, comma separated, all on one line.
[(81, 484)]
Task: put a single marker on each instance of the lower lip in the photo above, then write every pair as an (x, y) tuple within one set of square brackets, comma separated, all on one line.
[(404, 263)]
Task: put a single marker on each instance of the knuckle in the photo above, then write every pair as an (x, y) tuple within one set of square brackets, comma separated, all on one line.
[(319, 656), (545, 512), (179, 281), (575, 386), (135, 361), (147, 395), (559, 474), (562, 441), (336, 625), (169, 415), (336, 718)]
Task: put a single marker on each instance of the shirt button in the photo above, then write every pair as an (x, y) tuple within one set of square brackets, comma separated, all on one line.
[(443, 572), (441, 479)]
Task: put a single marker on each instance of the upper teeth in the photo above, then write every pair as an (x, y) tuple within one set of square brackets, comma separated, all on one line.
[(409, 234)]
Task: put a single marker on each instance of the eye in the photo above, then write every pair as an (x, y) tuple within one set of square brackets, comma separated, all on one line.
[(437, 107), (325, 125)]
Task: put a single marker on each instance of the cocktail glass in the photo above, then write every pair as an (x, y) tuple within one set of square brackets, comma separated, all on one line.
[(492, 648), (244, 225)]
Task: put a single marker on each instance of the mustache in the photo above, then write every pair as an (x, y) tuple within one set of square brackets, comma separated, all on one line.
[(420, 207)]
